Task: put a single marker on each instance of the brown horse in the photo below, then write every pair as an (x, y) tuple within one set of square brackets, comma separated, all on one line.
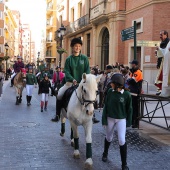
[(19, 83)]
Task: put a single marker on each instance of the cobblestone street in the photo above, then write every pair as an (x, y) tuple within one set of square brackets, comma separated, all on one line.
[(29, 140)]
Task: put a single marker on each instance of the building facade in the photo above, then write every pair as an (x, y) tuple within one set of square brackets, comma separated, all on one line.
[(99, 24), (51, 24)]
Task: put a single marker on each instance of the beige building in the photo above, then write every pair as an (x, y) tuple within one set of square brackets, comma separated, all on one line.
[(99, 24), (50, 33)]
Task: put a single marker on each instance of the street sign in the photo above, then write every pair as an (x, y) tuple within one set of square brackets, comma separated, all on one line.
[(147, 43), (127, 33)]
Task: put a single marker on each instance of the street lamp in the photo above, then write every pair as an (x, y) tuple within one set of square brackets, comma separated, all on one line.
[(61, 32), (6, 59), (38, 59)]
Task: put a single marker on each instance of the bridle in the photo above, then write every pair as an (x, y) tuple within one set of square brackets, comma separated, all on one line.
[(83, 101)]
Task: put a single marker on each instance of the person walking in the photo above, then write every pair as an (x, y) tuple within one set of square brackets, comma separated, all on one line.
[(75, 65), (31, 80), (44, 88), (119, 116), (135, 86)]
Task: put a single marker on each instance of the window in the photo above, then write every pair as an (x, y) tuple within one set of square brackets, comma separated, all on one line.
[(1, 32), (80, 10), (1, 48), (72, 15), (88, 45), (1, 14), (139, 25)]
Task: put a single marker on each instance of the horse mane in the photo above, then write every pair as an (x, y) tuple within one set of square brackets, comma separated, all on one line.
[(18, 78)]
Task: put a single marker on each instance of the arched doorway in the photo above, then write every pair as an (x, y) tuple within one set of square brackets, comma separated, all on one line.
[(105, 49)]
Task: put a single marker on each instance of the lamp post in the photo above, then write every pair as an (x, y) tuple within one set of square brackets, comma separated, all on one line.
[(6, 59), (38, 59), (61, 32)]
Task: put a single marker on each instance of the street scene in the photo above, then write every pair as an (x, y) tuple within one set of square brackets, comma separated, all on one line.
[(29, 140), (84, 85)]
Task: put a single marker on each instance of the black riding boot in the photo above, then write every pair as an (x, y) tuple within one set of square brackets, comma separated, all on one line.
[(123, 154), (106, 148), (29, 100), (58, 110), (20, 99), (62, 129), (12, 82), (17, 100)]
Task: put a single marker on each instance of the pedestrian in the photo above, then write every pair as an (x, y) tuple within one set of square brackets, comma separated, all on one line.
[(57, 79), (117, 113), (1, 80), (31, 80), (75, 65), (160, 59), (135, 86), (44, 86)]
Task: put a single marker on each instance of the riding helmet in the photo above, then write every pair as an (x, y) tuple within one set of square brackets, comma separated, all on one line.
[(19, 57), (118, 79), (76, 41), (45, 75)]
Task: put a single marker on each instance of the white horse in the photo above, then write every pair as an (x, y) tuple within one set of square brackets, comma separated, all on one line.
[(80, 111)]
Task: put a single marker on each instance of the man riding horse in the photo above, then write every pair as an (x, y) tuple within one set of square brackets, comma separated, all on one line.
[(17, 68)]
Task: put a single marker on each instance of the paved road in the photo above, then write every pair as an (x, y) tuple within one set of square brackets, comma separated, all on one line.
[(29, 140)]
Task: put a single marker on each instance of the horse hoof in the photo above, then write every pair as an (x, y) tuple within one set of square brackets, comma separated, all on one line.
[(72, 143), (76, 154), (88, 164), (62, 134)]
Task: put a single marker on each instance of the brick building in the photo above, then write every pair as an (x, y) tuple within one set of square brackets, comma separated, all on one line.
[(99, 24)]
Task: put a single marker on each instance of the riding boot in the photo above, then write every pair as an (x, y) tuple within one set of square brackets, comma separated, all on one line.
[(11, 83), (30, 99), (42, 105), (46, 103), (20, 99), (106, 148), (27, 97), (123, 154), (62, 129), (58, 110), (17, 100)]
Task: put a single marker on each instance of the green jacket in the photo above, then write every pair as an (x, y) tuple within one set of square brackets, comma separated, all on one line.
[(75, 66), (117, 105), (41, 68), (31, 79)]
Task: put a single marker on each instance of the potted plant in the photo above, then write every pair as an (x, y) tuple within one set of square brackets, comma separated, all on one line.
[(60, 50)]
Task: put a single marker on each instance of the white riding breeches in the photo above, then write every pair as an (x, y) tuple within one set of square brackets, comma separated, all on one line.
[(120, 125), (29, 89), (44, 97), (63, 89)]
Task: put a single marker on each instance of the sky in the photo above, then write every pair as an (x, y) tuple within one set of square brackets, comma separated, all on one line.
[(33, 13)]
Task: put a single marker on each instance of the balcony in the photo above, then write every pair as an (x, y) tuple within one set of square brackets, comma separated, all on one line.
[(78, 24), (98, 13)]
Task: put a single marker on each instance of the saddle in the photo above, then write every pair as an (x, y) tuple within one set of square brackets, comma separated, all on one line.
[(67, 96)]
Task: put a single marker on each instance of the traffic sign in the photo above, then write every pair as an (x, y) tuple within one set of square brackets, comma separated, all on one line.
[(127, 33)]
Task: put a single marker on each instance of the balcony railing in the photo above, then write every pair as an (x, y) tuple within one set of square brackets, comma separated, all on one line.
[(78, 24), (98, 10)]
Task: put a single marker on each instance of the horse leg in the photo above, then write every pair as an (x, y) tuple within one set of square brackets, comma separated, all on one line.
[(88, 131), (63, 120), (72, 138), (17, 96), (76, 153)]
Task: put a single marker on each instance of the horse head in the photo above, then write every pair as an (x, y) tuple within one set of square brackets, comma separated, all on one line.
[(88, 88)]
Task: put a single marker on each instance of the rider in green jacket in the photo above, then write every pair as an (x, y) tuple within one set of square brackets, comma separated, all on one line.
[(75, 65)]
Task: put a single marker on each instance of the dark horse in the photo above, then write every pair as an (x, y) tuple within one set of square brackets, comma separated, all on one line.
[(19, 83)]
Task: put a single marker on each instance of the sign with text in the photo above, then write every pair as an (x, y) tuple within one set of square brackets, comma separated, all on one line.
[(147, 43), (127, 33)]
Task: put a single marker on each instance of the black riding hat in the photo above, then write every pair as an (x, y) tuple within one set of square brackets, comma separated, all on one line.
[(76, 41), (118, 79)]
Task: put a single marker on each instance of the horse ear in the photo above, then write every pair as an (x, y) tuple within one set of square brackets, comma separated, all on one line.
[(84, 77), (98, 78)]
